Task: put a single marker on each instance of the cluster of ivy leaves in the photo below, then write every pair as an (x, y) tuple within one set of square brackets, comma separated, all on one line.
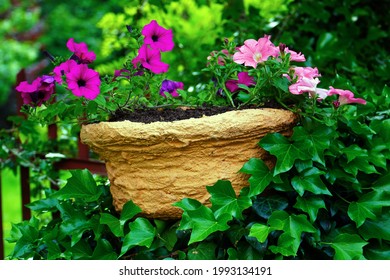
[(327, 197)]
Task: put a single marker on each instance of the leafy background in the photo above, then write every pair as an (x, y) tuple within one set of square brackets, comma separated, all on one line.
[(328, 195)]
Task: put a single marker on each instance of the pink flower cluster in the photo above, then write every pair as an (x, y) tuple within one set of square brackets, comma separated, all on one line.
[(307, 81), (80, 80), (253, 53), (156, 40)]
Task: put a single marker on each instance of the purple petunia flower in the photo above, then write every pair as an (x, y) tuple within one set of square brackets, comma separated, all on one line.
[(39, 91), (158, 37), (63, 69), (80, 52), (170, 87), (243, 79), (150, 59), (83, 81)]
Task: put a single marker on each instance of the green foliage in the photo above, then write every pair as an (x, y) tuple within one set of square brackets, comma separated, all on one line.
[(328, 195)]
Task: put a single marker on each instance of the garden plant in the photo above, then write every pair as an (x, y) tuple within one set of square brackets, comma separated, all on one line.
[(326, 197)]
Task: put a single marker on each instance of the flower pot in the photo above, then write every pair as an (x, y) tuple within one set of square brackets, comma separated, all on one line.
[(160, 163)]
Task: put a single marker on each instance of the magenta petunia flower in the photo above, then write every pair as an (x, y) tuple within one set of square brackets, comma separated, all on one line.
[(150, 59), (83, 81), (80, 52), (39, 91), (254, 52), (158, 37), (345, 97), (171, 87), (243, 79), (63, 69)]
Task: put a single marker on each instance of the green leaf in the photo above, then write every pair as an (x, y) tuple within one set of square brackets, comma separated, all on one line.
[(104, 251), (265, 206), (310, 181), (310, 205), (260, 232), (348, 246), (293, 226), (142, 233), (368, 206), (358, 213), (202, 220), (383, 183), (377, 251), (286, 151), (129, 210), (224, 200), (80, 185), (379, 228), (317, 135), (204, 251), (261, 175), (113, 223), (353, 152), (43, 205)]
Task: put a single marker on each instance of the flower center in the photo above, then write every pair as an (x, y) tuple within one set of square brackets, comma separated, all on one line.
[(155, 38), (257, 57), (81, 83), (37, 96)]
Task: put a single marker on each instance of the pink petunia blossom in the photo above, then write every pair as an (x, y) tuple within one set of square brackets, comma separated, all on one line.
[(294, 56), (39, 91), (308, 85), (80, 52), (171, 87), (158, 37), (306, 72), (345, 97), (243, 79), (254, 52), (83, 81), (150, 59), (63, 69)]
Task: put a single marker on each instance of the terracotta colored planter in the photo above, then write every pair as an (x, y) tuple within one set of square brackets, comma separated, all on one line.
[(160, 163)]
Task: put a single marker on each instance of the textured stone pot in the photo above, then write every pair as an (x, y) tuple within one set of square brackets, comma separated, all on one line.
[(160, 163)]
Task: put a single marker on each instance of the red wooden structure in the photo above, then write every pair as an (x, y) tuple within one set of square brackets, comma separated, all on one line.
[(82, 161)]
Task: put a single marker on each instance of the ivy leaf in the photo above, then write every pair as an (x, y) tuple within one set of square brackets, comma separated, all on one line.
[(383, 183), (348, 246), (261, 175), (310, 181), (104, 251), (353, 152), (379, 228), (265, 206), (286, 151), (367, 206), (310, 205), (293, 226), (260, 232), (204, 251), (359, 164), (224, 200), (113, 223), (129, 210), (142, 233), (202, 220), (358, 213), (43, 205), (80, 185), (187, 204), (319, 138)]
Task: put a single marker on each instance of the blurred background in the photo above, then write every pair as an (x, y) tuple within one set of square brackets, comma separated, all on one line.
[(346, 39)]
